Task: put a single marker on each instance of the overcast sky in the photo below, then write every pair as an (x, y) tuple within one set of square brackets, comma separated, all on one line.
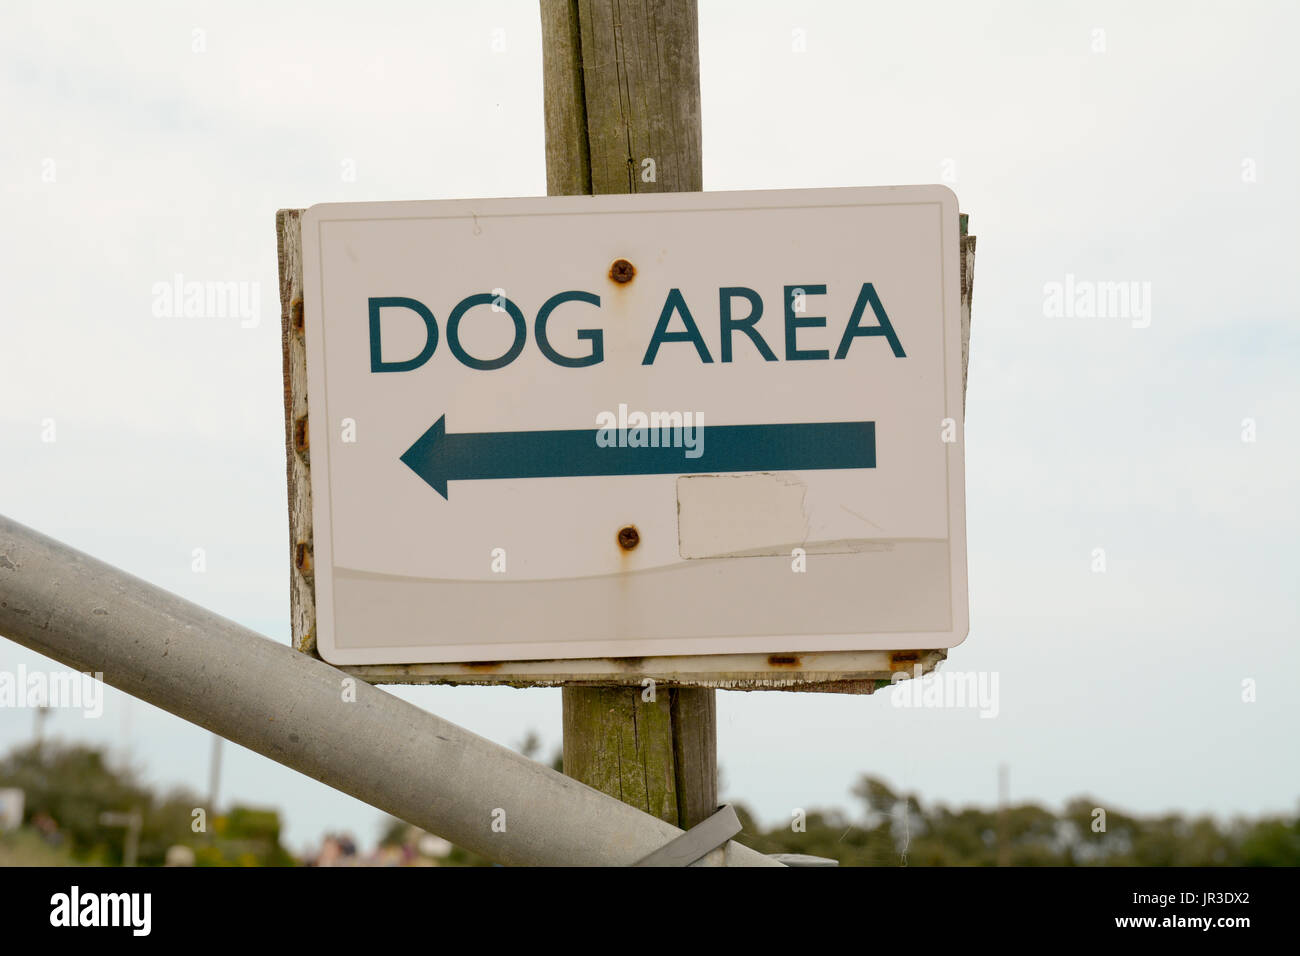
[(1112, 142)]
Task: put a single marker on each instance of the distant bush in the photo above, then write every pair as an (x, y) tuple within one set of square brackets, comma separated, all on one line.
[(899, 830), (68, 786)]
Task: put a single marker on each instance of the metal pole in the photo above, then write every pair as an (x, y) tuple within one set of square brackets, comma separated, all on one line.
[(309, 716)]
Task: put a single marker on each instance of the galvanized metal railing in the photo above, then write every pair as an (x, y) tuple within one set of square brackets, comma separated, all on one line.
[(307, 715)]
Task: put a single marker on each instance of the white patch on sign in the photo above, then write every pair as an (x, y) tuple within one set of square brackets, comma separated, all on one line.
[(750, 516), (720, 516)]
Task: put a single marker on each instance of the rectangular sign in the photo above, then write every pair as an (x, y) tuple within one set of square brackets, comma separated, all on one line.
[(630, 426)]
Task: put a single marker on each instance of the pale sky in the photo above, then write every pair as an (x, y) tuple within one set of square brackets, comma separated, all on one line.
[(1112, 142)]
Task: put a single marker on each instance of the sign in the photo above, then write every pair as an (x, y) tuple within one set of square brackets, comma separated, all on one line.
[(11, 809), (629, 426)]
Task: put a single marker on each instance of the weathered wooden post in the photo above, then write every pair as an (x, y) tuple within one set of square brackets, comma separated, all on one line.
[(622, 91)]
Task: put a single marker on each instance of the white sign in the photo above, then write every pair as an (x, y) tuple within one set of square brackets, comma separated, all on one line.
[(627, 426), (11, 809)]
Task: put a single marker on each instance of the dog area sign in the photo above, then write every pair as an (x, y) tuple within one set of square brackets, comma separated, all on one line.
[(629, 426)]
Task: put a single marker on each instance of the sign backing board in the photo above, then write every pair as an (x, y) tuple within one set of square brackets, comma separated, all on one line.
[(492, 411)]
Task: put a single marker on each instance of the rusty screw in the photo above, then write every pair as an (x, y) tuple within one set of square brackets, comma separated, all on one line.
[(628, 538), (622, 271)]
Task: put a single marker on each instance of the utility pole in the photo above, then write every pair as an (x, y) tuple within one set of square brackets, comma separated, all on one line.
[(214, 774), (622, 94), (42, 714), (1004, 798)]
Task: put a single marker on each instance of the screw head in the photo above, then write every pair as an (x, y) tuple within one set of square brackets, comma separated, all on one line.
[(628, 538), (622, 271)]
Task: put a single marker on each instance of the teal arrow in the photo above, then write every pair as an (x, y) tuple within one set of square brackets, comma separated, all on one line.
[(439, 457)]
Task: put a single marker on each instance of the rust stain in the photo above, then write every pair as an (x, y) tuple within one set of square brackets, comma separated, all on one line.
[(622, 271), (783, 660), (903, 660), (483, 665), (302, 557), (628, 537), (295, 314), (300, 434)]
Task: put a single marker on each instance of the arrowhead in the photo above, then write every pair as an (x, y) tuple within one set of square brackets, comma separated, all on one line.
[(422, 459)]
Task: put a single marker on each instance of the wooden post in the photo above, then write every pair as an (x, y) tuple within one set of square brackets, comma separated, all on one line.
[(622, 91)]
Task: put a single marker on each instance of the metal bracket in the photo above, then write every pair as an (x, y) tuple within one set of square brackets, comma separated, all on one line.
[(697, 842)]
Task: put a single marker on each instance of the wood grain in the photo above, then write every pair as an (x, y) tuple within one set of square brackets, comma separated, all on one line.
[(302, 585), (622, 86)]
